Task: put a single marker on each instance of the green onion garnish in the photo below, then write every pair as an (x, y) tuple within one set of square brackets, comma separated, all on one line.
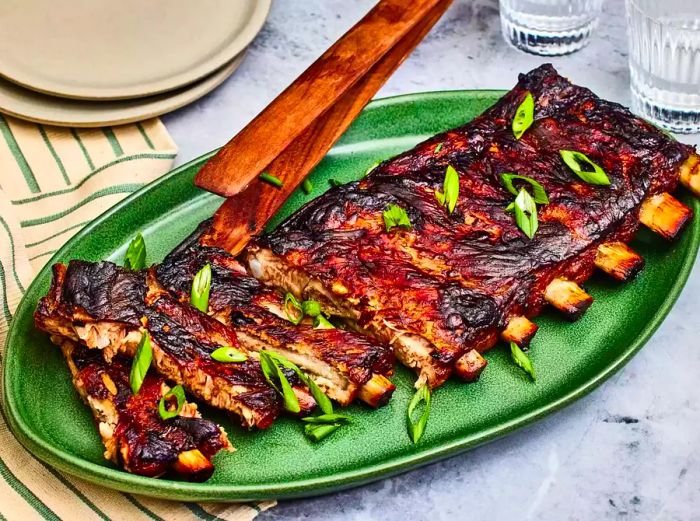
[(438, 148), (228, 354), (274, 361), (179, 393), (307, 187), (141, 362), (320, 322), (201, 284), (524, 116), (317, 432), (311, 308), (271, 179), (577, 161), (327, 418), (522, 360), (525, 213), (293, 309), (416, 428), (395, 217), (538, 193), (135, 258), (334, 182), (450, 186), (374, 165), (274, 375)]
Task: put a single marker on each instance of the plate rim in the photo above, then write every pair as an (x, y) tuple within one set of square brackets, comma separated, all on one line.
[(168, 489), (261, 11), (163, 105)]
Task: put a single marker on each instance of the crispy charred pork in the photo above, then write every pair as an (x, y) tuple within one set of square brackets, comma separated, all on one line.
[(104, 306), (343, 364), (132, 431), (451, 285)]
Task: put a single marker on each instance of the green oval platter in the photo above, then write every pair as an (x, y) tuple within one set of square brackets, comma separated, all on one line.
[(46, 415)]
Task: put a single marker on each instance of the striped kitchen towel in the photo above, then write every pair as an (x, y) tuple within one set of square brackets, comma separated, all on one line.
[(52, 182)]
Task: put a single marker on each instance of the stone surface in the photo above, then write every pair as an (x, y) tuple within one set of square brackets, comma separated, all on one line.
[(629, 450)]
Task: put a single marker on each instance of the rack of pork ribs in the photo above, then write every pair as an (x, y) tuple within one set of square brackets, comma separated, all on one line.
[(436, 295)]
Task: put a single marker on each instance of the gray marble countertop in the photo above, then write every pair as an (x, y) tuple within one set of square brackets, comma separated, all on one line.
[(630, 449)]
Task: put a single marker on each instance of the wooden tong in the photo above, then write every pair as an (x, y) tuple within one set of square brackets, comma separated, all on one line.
[(297, 129)]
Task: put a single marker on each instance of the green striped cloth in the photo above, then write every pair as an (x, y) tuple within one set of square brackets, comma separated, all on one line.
[(52, 182)]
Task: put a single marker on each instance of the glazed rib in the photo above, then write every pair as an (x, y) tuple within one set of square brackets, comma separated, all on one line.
[(104, 306), (133, 433), (344, 365), (450, 285)]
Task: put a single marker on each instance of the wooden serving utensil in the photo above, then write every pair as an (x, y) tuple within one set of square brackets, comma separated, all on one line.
[(298, 128)]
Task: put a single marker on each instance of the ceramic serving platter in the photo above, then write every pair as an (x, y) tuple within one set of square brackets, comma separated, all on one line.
[(102, 49), (46, 415)]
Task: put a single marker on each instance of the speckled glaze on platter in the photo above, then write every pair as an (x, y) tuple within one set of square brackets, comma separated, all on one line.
[(571, 358)]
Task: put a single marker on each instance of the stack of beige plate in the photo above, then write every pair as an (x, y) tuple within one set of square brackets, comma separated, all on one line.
[(105, 62)]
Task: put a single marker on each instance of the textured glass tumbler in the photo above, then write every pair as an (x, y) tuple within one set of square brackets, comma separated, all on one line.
[(549, 27), (664, 51)]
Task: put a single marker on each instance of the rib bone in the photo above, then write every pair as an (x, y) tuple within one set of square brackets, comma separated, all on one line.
[(519, 330), (469, 366), (690, 174), (664, 214), (618, 260), (568, 297)]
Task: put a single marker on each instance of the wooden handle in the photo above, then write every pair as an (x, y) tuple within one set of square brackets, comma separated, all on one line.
[(253, 149), (246, 213)]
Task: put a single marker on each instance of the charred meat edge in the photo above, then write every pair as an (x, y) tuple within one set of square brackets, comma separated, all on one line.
[(102, 306)]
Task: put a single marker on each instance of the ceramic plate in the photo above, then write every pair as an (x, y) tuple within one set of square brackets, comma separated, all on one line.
[(46, 415), (102, 49), (41, 108)]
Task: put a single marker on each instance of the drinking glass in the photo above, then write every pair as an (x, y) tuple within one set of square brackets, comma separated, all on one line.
[(549, 27), (664, 58)]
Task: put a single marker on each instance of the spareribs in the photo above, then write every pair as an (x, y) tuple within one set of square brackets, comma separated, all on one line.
[(104, 306), (132, 431), (449, 286)]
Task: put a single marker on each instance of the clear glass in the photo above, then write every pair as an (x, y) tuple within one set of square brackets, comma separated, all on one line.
[(549, 27), (664, 51)]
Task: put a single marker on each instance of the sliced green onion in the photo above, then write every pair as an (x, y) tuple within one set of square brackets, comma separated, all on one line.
[(577, 161), (293, 309), (135, 258), (395, 217), (311, 308), (450, 186), (374, 165), (524, 116), (179, 393), (526, 213), (438, 148), (416, 428), (322, 400), (274, 375), (327, 418), (141, 362), (538, 193), (321, 322), (271, 179), (334, 182), (317, 432), (201, 284), (307, 187), (228, 354), (522, 360)]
